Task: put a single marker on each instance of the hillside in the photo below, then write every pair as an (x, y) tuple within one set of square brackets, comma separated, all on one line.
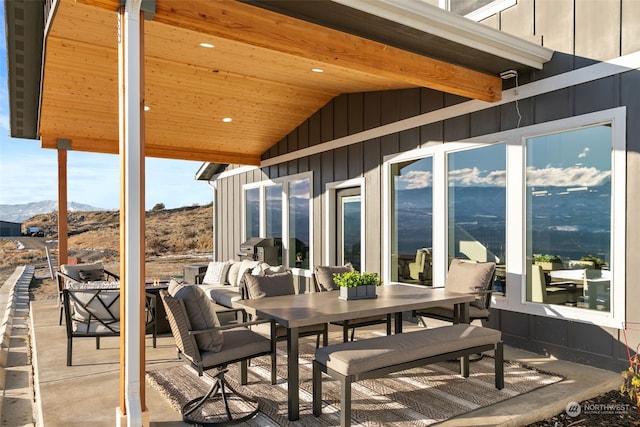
[(174, 237)]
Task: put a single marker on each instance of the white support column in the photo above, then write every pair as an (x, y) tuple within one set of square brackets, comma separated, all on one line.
[(132, 183)]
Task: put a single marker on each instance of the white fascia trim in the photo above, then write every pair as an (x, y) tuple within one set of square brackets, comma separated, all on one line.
[(236, 171), (434, 20), (561, 81)]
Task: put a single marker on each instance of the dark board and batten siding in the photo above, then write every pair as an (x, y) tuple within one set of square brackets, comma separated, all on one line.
[(580, 37)]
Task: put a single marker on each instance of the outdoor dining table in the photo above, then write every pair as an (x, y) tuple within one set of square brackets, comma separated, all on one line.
[(296, 311)]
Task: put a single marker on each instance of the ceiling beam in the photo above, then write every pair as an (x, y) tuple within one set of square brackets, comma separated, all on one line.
[(106, 146), (259, 27)]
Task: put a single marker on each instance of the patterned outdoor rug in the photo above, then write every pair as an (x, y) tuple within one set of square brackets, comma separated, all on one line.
[(416, 397)]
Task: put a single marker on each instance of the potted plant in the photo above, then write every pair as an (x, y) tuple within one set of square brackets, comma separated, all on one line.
[(548, 262), (598, 263), (354, 285)]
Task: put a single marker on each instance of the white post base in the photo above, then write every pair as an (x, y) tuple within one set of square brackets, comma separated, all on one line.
[(121, 419)]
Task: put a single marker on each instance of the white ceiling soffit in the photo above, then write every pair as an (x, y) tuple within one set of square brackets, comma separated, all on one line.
[(431, 19)]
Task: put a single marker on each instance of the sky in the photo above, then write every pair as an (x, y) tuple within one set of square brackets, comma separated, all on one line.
[(29, 173)]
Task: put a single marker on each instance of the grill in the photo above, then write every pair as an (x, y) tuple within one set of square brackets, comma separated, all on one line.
[(267, 250)]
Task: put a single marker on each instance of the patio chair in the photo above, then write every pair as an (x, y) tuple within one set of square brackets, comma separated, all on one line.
[(210, 348), (466, 277), (420, 269), (92, 310), (81, 273), (323, 279), (555, 293), (272, 285)]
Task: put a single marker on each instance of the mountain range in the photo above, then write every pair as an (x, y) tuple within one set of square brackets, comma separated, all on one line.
[(22, 212)]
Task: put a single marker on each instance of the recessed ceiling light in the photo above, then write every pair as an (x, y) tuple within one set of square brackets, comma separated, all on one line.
[(317, 70), (207, 45), (147, 108), (227, 120)]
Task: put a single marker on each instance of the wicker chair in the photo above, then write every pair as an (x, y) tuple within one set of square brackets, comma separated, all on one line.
[(237, 344)]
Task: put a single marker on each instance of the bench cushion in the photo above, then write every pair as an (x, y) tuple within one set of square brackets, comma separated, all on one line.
[(366, 355)]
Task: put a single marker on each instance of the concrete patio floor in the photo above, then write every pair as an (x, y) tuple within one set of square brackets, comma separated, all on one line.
[(87, 393)]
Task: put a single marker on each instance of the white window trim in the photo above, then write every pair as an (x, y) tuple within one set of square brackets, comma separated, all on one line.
[(284, 181), (331, 188), (515, 222)]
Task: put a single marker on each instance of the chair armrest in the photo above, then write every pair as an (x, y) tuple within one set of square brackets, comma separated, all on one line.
[(232, 310), (62, 278), (480, 291), (233, 326), (112, 275)]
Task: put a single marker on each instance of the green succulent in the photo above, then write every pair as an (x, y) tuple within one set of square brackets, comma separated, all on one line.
[(353, 278)]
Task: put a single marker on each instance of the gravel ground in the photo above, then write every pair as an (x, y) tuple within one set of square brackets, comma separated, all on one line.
[(611, 409)]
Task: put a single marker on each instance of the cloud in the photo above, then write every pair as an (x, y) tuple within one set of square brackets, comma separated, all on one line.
[(575, 176), (416, 179), (467, 177), (584, 153)]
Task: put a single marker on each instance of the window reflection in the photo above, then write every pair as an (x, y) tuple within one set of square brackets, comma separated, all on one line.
[(273, 195), (412, 220), (252, 213), (299, 205), (477, 206), (568, 189)]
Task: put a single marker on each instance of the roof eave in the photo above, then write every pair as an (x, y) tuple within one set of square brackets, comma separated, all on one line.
[(434, 20), (23, 20)]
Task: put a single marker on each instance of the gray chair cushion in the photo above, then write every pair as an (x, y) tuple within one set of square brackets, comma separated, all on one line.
[(91, 275), (73, 270), (467, 277), (238, 344), (324, 275), (201, 312), (271, 285)]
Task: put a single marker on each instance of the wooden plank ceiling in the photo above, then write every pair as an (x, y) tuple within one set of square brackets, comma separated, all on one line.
[(259, 73)]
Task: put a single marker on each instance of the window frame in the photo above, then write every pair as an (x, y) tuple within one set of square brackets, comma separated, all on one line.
[(330, 225), (490, 9), (515, 140), (284, 182)]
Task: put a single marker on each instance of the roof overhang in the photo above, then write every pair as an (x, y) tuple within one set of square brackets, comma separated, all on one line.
[(258, 73)]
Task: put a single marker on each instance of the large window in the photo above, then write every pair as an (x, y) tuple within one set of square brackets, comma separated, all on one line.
[(546, 203), (477, 204), (281, 209), (252, 213), (568, 214), (411, 220), (299, 227)]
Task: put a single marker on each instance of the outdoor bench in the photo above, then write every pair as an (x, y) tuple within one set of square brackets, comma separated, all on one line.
[(376, 357)]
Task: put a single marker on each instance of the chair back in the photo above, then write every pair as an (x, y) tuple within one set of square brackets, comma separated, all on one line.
[(472, 277), (538, 284), (323, 276), (180, 327), (92, 310)]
